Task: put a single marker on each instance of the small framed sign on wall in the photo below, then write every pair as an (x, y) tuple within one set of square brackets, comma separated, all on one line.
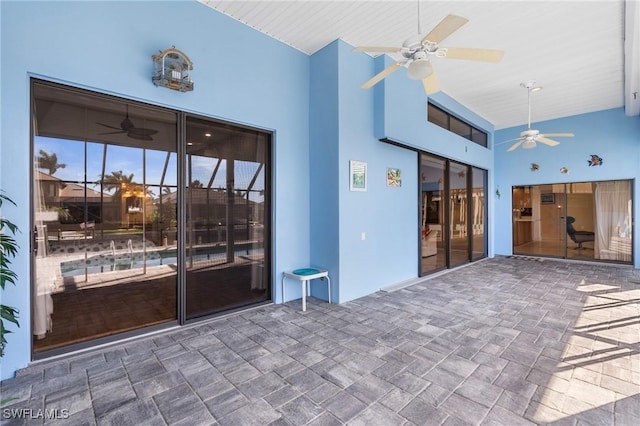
[(547, 198), (394, 177), (357, 175)]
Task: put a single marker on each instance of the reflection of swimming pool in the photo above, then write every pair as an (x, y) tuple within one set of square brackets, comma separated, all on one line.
[(124, 261)]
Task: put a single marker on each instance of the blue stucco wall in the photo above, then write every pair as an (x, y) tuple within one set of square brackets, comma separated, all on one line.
[(240, 75), (342, 129), (388, 216), (324, 182)]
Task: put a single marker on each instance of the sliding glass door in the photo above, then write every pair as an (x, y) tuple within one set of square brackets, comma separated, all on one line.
[(613, 219), (478, 211), (433, 255), (458, 217), (140, 222), (101, 167), (452, 212), (579, 220), (539, 220), (226, 217)]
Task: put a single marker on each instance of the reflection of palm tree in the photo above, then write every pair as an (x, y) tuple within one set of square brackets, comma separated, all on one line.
[(49, 162), (118, 180), (115, 180)]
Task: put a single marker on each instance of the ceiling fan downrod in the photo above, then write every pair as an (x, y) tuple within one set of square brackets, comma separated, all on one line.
[(419, 16), (531, 87)]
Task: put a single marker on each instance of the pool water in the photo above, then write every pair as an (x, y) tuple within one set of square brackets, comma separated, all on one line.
[(125, 261)]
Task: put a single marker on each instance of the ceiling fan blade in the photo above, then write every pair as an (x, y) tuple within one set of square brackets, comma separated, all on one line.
[(391, 68), (142, 132), (109, 126), (546, 141), (119, 132), (139, 137), (558, 135), (377, 49), (507, 141), (515, 145), (446, 27), (431, 84), (487, 55)]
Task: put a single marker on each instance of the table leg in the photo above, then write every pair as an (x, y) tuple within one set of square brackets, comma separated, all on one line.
[(284, 299), (304, 296)]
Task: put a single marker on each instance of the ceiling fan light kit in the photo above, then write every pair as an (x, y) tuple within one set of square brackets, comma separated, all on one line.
[(420, 68)]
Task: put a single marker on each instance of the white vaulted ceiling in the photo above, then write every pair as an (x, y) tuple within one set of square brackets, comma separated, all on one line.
[(574, 49)]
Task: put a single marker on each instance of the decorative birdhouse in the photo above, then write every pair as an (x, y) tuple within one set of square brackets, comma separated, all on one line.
[(172, 69)]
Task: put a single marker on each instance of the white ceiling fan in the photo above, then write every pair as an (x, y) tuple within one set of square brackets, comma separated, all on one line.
[(529, 137), (417, 50)]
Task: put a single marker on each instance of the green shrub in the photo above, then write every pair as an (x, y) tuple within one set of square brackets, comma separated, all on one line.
[(8, 250)]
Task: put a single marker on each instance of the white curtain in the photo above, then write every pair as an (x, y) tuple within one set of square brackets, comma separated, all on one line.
[(43, 281), (613, 220)]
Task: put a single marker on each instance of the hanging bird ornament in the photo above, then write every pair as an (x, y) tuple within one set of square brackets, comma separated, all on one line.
[(595, 160)]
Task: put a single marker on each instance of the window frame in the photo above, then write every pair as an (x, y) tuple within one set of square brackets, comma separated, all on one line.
[(474, 131)]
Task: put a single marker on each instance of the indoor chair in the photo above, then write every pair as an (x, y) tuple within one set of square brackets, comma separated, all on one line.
[(578, 237)]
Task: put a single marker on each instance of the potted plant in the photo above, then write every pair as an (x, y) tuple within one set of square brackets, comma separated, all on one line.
[(8, 250)]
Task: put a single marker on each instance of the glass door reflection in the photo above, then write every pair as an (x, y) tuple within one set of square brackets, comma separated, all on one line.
[(539, 226), (458, 214), (101, 266), (452, 213), (226, 217), (432, 211), (479, 212), (580, 221)]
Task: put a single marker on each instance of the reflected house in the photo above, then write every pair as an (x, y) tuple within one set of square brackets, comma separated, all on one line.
[(50, 187), (126, 208), (65, 202), (73, 199)]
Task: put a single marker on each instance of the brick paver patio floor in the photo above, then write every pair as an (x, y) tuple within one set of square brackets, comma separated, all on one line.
[(510, 341)]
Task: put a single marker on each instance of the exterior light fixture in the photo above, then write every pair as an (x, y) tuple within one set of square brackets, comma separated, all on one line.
[(172, 69)]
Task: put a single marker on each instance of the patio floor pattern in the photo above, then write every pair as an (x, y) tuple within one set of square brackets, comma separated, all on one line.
[(504, 341)]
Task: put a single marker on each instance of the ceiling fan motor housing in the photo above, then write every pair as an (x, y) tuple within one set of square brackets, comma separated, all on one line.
[(126, 124), (529, 133), (411, 45)]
